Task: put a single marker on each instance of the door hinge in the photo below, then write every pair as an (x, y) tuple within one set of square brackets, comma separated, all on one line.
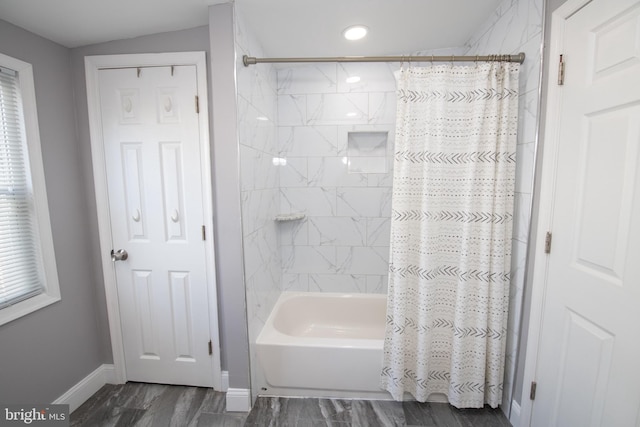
[(532, 393), (561, 71), (547, 243), (210, 348), (204, 233), (197, 105)]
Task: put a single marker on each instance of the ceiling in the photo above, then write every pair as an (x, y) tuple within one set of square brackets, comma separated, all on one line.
[(314, 27), (284, 27)]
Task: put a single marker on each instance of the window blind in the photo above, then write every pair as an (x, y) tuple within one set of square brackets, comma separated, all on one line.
[(20, 273)]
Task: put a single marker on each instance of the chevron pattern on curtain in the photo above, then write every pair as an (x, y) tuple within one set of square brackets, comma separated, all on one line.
[(451, 226)]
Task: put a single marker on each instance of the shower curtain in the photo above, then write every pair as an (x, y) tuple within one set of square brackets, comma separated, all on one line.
[(451, 225)]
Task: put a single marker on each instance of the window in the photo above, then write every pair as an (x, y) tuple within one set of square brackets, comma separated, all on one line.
[(28, 276)]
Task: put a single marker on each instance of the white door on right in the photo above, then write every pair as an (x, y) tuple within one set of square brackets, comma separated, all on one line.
[(588, 371)]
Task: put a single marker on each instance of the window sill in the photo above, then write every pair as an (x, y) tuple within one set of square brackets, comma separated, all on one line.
[(25, 307)]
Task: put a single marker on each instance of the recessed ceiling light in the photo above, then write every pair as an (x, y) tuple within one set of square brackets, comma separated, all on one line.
[(352, 114), (353, 79), (355, 32)]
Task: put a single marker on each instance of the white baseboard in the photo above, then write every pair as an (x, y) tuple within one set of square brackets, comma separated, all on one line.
[(224, 380), (110, 376), (238, 400), (514, 417), (87, 387)]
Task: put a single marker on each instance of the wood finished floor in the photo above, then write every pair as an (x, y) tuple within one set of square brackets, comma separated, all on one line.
[(278, 411), (154, 405)]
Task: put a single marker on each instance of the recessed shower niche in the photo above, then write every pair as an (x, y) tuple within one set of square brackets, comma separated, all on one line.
[(367, 152)]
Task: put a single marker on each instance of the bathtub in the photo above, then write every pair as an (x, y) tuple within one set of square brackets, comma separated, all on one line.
[(324, 345)]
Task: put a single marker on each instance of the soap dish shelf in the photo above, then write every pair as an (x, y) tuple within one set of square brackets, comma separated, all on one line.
[(290, 217)]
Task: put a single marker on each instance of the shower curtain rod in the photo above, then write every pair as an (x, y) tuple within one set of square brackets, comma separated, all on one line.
[(519, 58)]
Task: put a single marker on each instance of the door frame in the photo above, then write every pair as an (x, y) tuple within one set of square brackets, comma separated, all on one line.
[(551, 145), (93, 64)]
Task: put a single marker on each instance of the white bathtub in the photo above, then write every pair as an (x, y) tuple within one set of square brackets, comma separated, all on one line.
[(323, 344)]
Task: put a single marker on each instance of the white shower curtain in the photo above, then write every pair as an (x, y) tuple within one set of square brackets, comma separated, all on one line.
[(452, 209)]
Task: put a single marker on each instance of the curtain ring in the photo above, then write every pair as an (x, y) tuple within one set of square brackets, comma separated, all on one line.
[(432, 59)]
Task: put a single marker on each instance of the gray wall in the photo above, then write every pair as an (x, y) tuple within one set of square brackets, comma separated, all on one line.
[(233, 341), (187, 40), (46, 352), (222, 83)]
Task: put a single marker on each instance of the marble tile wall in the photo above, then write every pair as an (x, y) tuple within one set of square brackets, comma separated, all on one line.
[(259, 181), (343, 243), (516, 26)]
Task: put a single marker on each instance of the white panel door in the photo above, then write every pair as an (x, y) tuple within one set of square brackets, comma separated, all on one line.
[(152, 156), (588, 371)]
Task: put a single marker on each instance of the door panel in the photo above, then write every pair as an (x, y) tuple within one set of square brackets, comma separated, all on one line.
[(152, 154), (143, 308), (585, 358), (605, 191), (589, 348), (132, 163), (616, 43), (172, 190)]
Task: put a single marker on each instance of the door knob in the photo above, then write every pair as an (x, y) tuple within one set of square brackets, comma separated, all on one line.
[(119, 255)]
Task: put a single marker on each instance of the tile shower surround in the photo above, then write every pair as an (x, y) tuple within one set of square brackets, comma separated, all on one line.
[(342, 245), (259, 181)]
